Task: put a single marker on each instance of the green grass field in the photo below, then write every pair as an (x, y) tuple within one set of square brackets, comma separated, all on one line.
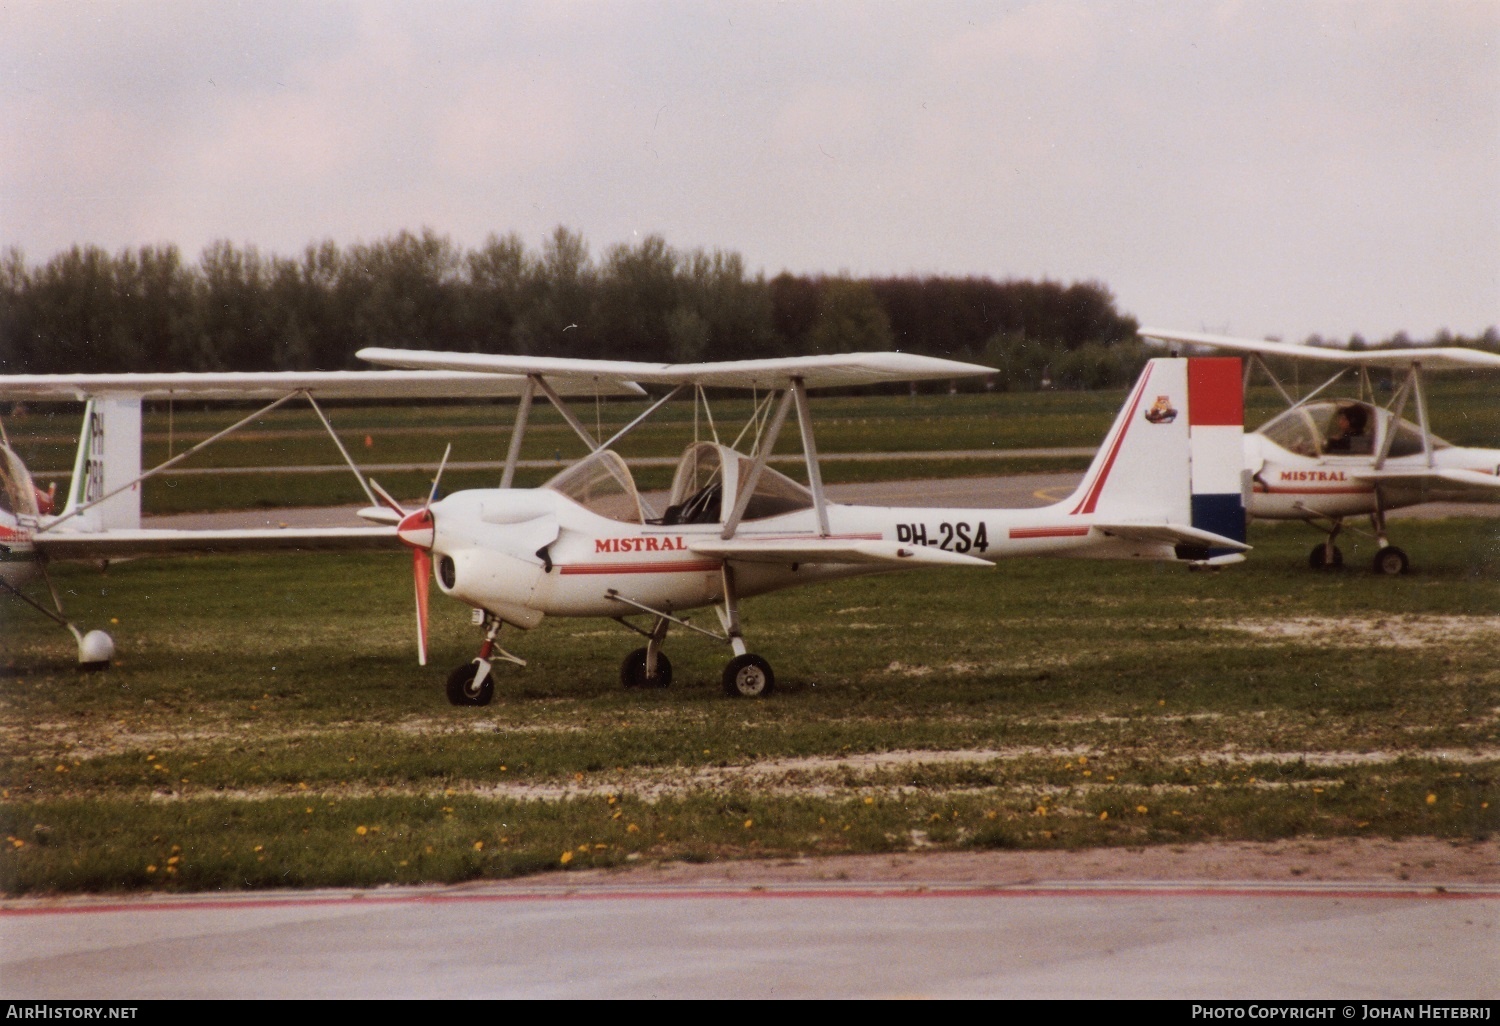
[(267, 724)]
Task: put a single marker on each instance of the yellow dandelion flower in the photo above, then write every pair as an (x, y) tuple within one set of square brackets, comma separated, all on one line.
[(1041, 810), (1083, 760), (260, 847), (1142, 809), (1104, 815), (176, 848), (174, 860), (150, 869), (632, 829), (578, 776), (567, 857), (749, 823), (502, 769), (361, 830), (600, 847), (479, 846), (1088, 773), (869, 801), (1432, 799), (308, 810), (583, 847)]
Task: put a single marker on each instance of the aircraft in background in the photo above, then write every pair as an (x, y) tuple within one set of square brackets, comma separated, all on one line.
[(1324, 460), (101, 520), (1166, 485)]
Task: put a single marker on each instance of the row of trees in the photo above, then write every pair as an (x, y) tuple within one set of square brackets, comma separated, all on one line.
[(239, 309)]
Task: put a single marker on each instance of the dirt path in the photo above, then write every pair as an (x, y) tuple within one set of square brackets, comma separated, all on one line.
[(1340, 860)]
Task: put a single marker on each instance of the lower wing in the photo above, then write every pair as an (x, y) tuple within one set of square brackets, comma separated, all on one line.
[(146, 542)]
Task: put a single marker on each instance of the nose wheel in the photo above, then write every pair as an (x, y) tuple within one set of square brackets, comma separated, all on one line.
[(748, 676), (1390, 561), (473, 683)]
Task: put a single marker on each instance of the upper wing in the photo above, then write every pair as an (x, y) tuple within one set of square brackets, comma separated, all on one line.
[(831, 550), (161, 542), (1431, 358), (403, 384), (814, 371)]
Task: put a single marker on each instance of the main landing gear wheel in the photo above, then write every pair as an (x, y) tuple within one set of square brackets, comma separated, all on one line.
[(1318, 558), (1390, 561), (463, 691), (748, 676), (633, 671)]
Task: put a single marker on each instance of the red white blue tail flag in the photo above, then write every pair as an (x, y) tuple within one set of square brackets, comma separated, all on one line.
[(1216, 425)]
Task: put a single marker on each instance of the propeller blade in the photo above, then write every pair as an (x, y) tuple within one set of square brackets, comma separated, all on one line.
[(421, 565), (433, 494), (385, 497)]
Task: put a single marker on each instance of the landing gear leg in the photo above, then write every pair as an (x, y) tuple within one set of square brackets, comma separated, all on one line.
[(747, 675), (1327, 555), (95, 648), (473, 683), (649, 667), (1389, 560)]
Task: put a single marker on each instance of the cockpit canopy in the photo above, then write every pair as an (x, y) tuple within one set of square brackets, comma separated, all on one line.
[(1343, 427), (709, 477), (17, 496), (601, 483), (704, 488)]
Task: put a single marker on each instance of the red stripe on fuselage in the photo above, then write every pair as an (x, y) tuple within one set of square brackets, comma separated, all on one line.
[(673, 567), (1048, 532)]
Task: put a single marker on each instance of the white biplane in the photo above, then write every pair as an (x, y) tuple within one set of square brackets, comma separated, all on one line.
[(101, 520), (1325, 459), (1166, 485)]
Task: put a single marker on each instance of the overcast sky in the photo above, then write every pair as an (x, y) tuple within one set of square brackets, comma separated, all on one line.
[(1255, 167)]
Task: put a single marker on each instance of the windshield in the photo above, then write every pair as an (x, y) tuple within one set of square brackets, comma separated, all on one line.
[(15, 485), (602, 484)]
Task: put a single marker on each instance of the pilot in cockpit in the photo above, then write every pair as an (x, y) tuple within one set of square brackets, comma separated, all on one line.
[(1350, 432)]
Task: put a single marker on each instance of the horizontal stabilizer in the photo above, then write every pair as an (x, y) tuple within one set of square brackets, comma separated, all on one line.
[(831, 550), (159, 542), (832, 371), (1172, 534)]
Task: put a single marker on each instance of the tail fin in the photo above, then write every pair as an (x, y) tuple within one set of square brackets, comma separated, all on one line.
[(109, 457), (1174, 456)]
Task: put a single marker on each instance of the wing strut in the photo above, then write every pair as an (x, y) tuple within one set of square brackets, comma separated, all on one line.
[(517, 433), (344, 452), (746, 488), (810, 453)]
